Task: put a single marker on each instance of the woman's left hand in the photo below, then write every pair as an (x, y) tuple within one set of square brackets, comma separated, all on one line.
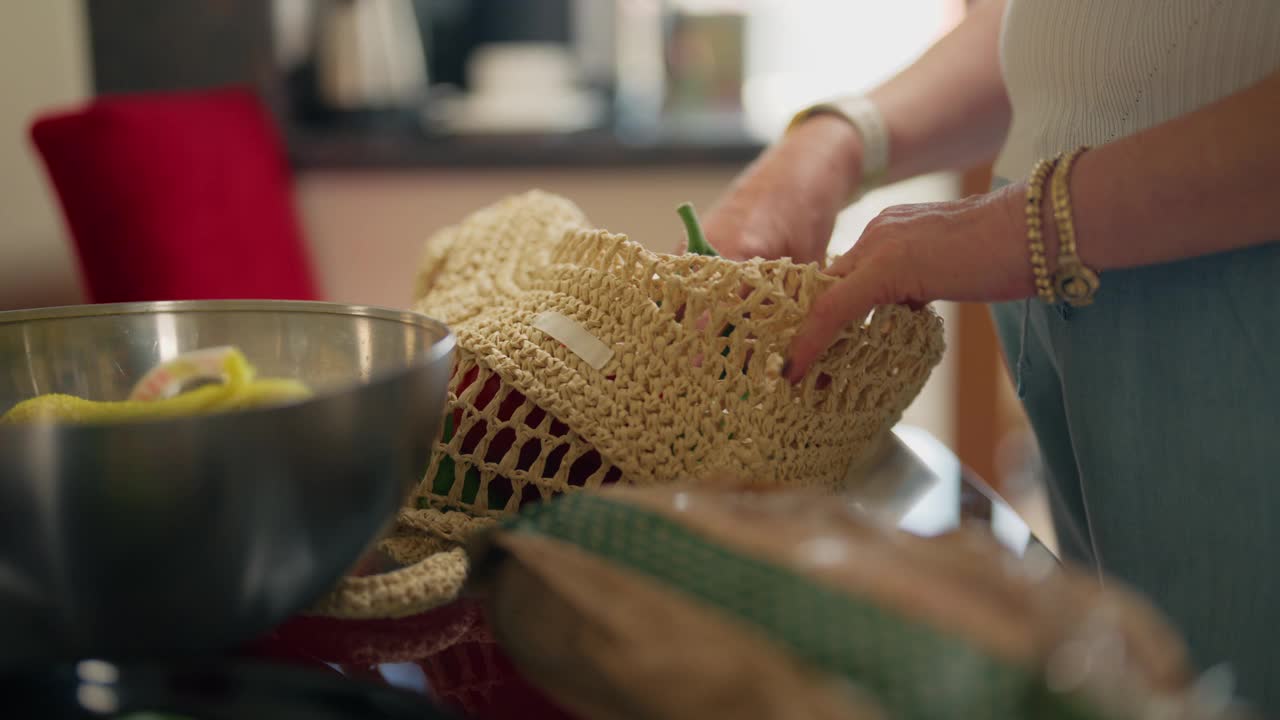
[(973, 249)]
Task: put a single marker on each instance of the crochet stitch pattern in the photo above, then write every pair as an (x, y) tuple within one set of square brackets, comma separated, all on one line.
[(691, 389)]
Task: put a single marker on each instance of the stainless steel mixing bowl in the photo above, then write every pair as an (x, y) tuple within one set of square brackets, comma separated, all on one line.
[(171, 537)]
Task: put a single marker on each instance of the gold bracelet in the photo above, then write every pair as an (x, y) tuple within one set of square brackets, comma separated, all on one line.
[(1035, 230), (1072, 279)]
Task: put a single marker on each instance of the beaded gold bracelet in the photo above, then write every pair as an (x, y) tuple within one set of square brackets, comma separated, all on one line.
[(1072, 279), (1035, 231)]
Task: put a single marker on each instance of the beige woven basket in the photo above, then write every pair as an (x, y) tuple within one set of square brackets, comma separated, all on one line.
[(585, 360)]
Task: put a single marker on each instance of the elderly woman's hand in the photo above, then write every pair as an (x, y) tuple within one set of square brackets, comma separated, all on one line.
[(786, 202), (968, 250)]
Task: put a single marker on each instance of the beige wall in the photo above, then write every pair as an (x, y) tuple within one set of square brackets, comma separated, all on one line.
[(367, 229), (43, 64)]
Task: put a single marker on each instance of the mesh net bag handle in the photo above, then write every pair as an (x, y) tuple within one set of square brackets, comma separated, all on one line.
[(430, 582), (585, 360)]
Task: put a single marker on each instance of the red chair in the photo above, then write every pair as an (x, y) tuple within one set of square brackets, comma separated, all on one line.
[(181, 196)]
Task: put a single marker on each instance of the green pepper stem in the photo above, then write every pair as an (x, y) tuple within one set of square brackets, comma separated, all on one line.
[(698, 244)]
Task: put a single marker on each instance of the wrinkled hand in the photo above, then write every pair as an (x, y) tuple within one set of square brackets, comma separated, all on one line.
[(967, 250), (785, 204)]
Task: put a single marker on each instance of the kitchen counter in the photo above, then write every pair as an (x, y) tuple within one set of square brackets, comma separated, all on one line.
[(915, 482), (407, 148), (919, 484)]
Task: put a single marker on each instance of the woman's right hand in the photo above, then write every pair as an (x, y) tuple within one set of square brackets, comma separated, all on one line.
[(785, 203)]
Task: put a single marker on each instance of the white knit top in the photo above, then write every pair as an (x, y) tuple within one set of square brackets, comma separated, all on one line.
[(1083, 72)]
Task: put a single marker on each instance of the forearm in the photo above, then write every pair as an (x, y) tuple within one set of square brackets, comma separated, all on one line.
[(1207, 182), (949, 109), (1203, 183)]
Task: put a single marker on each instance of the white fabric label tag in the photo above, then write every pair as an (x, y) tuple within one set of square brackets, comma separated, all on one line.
[(578, 339)]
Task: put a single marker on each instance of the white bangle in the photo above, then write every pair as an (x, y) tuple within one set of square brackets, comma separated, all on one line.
[(866, 118)]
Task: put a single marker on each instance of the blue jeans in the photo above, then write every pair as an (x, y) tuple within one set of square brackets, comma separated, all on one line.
[(1157, 411)]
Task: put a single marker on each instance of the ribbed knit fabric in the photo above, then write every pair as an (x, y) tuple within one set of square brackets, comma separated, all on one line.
[(1084, 72)]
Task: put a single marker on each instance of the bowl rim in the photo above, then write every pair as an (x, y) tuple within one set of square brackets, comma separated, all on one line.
[(439, 350)]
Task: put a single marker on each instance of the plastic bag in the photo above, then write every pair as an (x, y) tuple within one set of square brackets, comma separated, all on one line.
[(667, 603)]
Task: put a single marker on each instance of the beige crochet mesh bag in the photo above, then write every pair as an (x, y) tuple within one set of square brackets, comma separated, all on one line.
[(585, 360)]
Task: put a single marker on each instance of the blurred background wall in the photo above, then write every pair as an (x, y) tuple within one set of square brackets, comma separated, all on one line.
[(43, 63)]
